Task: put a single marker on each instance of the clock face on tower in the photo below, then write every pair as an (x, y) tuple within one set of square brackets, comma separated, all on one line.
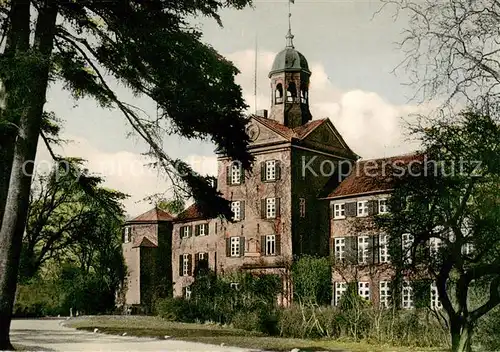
[(253, 132)]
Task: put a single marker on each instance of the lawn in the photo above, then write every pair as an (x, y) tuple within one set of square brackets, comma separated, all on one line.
[(213, 334)]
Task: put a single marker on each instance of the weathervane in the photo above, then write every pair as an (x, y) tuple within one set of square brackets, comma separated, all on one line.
[(289, 36)]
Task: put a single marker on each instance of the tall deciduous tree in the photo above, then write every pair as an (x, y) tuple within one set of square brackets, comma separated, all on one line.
[(150, 47), (451, 49), (444, 223)]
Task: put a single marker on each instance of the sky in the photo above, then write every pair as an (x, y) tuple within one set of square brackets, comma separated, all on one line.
[(352, 52)]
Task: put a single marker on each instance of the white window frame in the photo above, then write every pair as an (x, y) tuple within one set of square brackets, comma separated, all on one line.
[(270, 170), (235, 285), (235, 173), (406, 243), (340, 289), (384, 256), (384, 293), (434, 246), (339, 248), (270, 244), (363, 246), (236, 209), (435, 302), (201, 255), (364, 290), (235, 243), (188, 292), (407, 296), (201, 231), (186, 231), (128, 234), (339, 210), (302, 207), (270, 208), (362, 208), (185, 265), (382, 206), (467, 248)]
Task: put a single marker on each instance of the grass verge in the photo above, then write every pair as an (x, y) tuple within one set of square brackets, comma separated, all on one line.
[(155, 327)]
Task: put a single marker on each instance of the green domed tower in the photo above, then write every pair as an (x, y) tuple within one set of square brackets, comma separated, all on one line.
[(290, 77)]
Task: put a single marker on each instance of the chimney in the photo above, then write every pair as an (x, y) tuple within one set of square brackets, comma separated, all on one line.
[(261, 113)]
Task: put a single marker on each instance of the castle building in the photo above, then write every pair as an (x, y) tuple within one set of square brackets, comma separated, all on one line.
[(306, 194), (277, 212), (147, 241)]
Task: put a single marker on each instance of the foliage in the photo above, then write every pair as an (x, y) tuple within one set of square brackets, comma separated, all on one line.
[(213, 299), (451, 198), (451, 50), (65, 220), (69, 288), (312, 280)]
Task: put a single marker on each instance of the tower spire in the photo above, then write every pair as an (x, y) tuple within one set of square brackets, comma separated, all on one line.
[(289, 35)]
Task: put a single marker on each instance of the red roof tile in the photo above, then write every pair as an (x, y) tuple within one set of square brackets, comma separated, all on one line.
[(190, 213), (145, 242), (289, 133), (153, 215), (371, 176)]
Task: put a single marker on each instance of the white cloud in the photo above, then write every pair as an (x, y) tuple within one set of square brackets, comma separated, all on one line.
[(371, 126), (124, 171)]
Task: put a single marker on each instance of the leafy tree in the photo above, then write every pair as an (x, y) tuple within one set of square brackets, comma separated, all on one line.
[(149, 47), (312, 282), (449, 205), (62, 218)]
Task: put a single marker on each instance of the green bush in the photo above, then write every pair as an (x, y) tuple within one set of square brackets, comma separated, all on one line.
[(249, 321), (176, 309), (488, 331)]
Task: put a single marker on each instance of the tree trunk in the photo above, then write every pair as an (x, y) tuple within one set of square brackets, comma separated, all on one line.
[(6, 155), (16, 206), (461, 338)]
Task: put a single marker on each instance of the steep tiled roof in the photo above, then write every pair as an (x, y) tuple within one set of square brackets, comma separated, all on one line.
[(289, 133), (190, 213), (370, 176), (153, 215)]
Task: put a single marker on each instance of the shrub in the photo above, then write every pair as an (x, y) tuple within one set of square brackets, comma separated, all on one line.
[(176, 309), (249, 321)]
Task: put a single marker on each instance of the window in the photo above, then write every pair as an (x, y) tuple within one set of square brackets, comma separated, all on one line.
[(202, 256), (202, 229), (407, 296), (185, 265), (187, 292), (270, 245), (435, 302), (407, 242), (340, 248), (270, 208), (235, 173), (128, 235), (339, 211), (302, 206), (434, 246), (235, 285), (384, 293), (364, 290), (467, 249), (363, 208), (340, 288), (236, 209), (384, 256), (185, 231), (363, 254), (279, 93), (291, 92), (235, 246), (382, 206), (270, 170)]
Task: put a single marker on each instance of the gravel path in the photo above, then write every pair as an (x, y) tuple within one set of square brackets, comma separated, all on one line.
[(51, 335)]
